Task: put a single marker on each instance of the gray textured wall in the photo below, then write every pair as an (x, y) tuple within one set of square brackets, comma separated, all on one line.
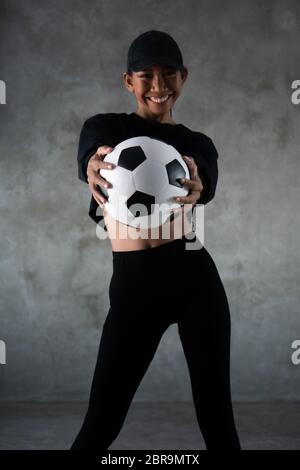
[(62, 62)]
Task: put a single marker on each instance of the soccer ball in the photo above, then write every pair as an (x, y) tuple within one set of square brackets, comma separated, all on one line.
[(144, 181)]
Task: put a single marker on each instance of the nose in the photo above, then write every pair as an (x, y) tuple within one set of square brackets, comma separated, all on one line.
[(158, 83)]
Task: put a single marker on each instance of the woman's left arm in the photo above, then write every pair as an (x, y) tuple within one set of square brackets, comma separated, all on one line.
[(194, 184), (203, 169)]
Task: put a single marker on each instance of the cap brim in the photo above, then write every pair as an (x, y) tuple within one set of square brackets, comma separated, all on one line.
[(142, 64)]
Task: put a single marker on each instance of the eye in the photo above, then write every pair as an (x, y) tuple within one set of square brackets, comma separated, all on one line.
[(169, 72)]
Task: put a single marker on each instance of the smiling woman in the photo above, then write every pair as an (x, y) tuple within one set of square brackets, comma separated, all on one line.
[(145, 270)]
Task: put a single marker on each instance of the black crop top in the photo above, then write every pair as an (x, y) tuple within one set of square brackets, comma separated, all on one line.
[(112, 128)]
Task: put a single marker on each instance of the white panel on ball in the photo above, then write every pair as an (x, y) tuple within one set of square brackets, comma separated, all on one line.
[(144, 181)]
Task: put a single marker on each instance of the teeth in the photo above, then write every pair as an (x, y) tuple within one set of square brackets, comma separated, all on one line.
[(159, 100)]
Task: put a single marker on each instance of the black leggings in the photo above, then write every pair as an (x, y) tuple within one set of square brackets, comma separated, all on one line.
[(149, 290)]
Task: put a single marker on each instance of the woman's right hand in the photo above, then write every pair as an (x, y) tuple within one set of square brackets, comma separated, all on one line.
[(94, 179)]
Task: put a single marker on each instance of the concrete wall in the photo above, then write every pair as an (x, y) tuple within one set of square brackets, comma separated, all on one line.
[(62, 62)]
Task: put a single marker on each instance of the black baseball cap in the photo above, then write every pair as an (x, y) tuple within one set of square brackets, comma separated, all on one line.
[(154, 47)]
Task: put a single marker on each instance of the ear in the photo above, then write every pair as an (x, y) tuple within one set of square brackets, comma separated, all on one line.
[(185, 74), (127, 79)]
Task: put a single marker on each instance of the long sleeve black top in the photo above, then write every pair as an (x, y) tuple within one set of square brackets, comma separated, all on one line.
[(112, 128)]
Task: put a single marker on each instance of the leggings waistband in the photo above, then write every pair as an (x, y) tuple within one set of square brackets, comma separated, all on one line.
[(168, 248)]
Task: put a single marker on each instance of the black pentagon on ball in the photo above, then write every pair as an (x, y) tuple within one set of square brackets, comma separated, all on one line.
[(131, 157), (175, 171), (143, 200)]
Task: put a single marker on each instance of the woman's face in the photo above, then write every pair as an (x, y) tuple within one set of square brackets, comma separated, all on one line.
[(158, 81)]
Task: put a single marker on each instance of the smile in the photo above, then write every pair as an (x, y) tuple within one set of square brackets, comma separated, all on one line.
[(161, 100)]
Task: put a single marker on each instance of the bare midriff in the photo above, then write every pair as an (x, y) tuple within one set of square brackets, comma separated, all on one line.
[(126, 238)]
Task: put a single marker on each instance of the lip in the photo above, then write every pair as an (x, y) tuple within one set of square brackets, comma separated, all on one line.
[(157, 97)]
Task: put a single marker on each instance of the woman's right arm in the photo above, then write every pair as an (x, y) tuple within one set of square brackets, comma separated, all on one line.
[(95, 131), (93, 178)]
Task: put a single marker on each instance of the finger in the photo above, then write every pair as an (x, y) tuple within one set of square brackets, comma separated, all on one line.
[(95, 169), (195, 182), (189, 160), (191, 165), (103, 150), (98, 196), (101, 182), (193, 185), (97, 188), (188, 204), (101, 200), (105, 166), (97, 181), (105, 184), (97, 199), (185, 181), (196, 185), (189, 199)]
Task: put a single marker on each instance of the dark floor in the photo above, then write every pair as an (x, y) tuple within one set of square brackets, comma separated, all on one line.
[(167, 426)]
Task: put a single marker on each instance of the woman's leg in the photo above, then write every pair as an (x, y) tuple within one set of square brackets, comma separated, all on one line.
[(130, 337), (204, 329)]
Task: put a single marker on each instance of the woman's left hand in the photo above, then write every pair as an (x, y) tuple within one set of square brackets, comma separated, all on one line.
[(194, 184)]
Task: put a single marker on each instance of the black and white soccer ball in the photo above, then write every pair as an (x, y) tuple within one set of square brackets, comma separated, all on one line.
[(144, 181)]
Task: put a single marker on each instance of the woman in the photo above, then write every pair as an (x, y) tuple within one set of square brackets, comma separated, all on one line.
[(155, 279)]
